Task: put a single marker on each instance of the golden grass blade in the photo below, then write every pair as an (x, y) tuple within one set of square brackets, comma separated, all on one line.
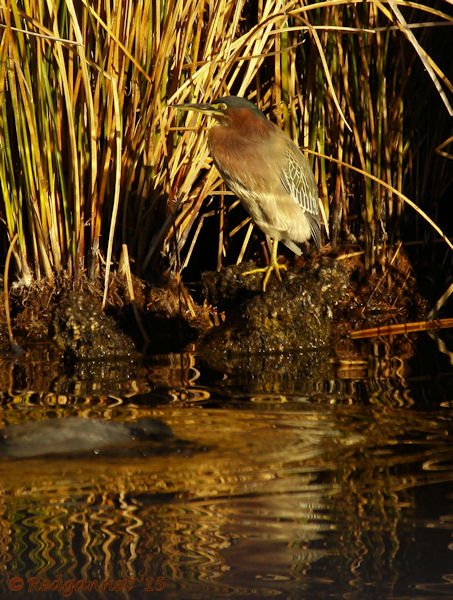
[(6, 290), (63, 172), (92, 125), (117, 189), (326, 71), (245, 243), (389, 187), (440, 148), (45, 36), (401, 329), (426, 60), (103, 24), (441, 301)]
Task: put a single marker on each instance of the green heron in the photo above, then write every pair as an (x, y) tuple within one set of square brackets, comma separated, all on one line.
[(265, 169)]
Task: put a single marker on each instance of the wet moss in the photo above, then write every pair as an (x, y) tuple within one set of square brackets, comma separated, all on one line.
[(296, 315), (82, 330), (318, 303)]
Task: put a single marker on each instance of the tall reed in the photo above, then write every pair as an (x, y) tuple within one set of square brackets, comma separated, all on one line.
[(93, 156)]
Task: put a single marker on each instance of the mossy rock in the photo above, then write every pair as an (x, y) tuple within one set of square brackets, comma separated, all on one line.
[(293, 316), (82, 330)]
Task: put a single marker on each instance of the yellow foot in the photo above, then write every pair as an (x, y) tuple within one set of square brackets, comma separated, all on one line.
[(275, 266)]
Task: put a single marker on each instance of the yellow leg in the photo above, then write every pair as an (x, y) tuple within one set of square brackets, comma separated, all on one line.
[(273, 266)]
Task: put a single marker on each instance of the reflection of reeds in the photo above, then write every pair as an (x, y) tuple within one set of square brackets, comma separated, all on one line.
[(92, 157)]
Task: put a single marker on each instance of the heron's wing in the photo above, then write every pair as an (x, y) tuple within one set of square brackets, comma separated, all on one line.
[(298, 180)]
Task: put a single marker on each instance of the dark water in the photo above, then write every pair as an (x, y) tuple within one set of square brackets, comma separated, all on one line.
[(272, 488)]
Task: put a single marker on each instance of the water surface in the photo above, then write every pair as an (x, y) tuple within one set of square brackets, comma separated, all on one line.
[(274, 487)]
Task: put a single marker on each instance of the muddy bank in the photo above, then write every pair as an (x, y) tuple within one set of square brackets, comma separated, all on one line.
[(296, 314), (159, 319), (287, 329), (300, 328), (316, 305)]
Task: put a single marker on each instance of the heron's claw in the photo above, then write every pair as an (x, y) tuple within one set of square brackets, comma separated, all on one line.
[(276, 267)]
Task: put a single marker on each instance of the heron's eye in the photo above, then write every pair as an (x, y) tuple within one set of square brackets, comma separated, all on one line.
[(222, 106)]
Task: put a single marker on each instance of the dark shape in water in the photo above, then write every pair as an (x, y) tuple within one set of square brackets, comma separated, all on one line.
[(77, 435)]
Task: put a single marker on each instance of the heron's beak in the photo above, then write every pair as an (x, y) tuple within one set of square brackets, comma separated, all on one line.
[(208, 109)]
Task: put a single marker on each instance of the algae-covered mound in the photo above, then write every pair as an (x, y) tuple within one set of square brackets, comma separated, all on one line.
[(81, 329), (295, 315)]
